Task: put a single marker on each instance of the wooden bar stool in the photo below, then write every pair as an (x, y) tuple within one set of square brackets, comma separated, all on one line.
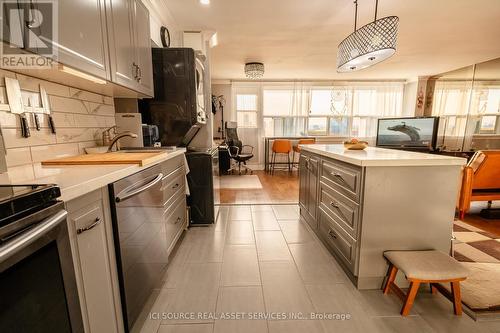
[(433, 267), (297, 149), (280, 146)]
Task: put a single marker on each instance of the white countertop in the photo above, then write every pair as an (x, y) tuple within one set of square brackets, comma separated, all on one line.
[(372, 156), (77, 180)]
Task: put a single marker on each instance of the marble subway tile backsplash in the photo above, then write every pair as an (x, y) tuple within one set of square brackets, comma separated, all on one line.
[(80, 117)]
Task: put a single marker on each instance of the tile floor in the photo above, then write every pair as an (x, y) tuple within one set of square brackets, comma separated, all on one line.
[(260, 260)]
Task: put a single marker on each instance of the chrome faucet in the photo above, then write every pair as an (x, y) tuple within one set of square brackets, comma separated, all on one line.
[(118, 137)]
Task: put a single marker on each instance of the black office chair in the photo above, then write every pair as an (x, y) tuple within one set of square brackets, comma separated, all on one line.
[(239, 152)]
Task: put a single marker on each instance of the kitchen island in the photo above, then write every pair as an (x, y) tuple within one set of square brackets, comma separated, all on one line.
[(362, 203)]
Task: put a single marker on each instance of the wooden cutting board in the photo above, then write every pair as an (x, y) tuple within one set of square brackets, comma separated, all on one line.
[(108, 158)]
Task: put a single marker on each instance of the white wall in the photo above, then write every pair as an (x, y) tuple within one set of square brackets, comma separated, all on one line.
[(160, 15), (225, 90)]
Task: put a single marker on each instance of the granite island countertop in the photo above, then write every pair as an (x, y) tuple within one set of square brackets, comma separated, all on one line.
[(77, 180), (373, 156)]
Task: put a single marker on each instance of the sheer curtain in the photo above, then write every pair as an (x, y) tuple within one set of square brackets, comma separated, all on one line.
[(451, 103), (335, 109), (451, 98), (371, 102), (285, 108)]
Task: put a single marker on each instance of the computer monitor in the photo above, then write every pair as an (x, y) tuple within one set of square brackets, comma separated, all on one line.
[(416, 132)]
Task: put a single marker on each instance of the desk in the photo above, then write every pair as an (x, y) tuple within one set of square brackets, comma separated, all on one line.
[(272, 138), (224, 160)]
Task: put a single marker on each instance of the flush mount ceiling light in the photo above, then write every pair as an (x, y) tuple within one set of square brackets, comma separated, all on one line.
[(368, 45), (254, 70), (205, 2)]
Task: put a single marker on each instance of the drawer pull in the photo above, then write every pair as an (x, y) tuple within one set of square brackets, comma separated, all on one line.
[(82, 230), (337, 175), (334, 204), (178, 220), (332, 234), (175, 186)]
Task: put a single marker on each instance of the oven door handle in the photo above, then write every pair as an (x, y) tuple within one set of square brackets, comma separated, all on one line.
[(129, 193), (26, 238)]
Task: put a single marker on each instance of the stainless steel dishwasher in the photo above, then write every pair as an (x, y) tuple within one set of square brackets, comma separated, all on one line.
[(139, 227)]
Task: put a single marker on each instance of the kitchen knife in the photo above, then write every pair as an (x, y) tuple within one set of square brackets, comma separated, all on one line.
[(16, 104), (46, 109), (32, 106)]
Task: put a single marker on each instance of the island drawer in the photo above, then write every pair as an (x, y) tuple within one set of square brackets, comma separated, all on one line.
[(343, 245), (347, 177), (172, 183), (340, 209), (175, 219)]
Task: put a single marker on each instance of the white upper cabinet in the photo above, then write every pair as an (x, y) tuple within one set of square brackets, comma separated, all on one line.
[(109, 39), (82, 41), (143, 48), (121, 42), (130, 45)]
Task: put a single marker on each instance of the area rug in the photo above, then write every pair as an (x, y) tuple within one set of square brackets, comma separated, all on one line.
[(236, 182), (481, 290), (472, 244), (479, 251)]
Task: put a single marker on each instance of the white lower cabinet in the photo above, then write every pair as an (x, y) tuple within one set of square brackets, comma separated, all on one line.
[(93, 251)]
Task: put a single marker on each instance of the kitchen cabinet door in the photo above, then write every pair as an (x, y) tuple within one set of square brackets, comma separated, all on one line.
[(303, 178), (94, 267), (312, 188), (308, 188), (121, 43), (82, 42), (143, 48)]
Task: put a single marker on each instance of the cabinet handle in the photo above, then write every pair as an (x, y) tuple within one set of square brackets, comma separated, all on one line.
[(136, 70), (82, 230), (175, 186), (337, 175), (139, 73), (178, 220), (332, 234), (334, 204)]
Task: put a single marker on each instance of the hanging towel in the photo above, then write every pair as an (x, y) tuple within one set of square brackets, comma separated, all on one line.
[(186, 168)]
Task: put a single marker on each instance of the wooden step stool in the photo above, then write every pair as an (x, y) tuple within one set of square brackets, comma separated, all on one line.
[(433, 267)]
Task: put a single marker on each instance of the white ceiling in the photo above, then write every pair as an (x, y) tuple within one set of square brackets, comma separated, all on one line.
[(297, 39)]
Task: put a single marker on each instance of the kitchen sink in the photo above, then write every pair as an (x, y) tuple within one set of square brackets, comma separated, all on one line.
[(146, 150), (134, 151)]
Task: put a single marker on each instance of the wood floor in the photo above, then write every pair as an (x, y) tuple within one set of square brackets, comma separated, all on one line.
[(475, 220), (280, 188)]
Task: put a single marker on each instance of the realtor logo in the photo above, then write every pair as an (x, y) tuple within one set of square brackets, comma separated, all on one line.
[(29, 31)]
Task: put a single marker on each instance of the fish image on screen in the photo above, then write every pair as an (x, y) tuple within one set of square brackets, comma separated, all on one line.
[(406, 132)]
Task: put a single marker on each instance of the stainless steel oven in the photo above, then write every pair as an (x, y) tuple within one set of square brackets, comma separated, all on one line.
[(38, 291), (138, 204)]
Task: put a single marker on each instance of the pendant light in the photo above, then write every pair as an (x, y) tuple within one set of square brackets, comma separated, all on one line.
[(368, 45)]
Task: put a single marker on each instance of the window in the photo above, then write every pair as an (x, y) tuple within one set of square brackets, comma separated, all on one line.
[(246, 110), (285, 110), (317, 126), (339, 126), (278, 102), (488, 124), (451, 104), (285, 126), (343, 110)]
